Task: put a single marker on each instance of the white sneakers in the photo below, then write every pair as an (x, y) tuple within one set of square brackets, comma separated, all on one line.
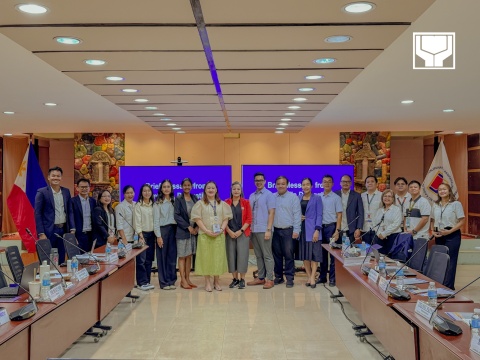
[(146, 287)]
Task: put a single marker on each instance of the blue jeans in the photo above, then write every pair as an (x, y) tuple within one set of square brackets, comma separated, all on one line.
[(283, 247), (144, 260)]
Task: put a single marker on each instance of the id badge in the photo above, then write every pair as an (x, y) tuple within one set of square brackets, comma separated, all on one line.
[(216, 228), (407, 222), (441, 226)]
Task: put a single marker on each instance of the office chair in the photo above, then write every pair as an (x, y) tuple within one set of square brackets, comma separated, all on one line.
[(47, 247), (435, 248), (417, 261), (439, 265), (15, 262)]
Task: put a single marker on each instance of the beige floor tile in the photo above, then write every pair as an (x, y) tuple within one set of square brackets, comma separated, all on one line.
[(251, 332), (308, 330), (191, 349), (262, 350), (319, 349)]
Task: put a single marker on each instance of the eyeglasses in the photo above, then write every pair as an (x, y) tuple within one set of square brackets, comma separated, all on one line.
[(106, 196), (346, 181), (84, 187), (259, 181)]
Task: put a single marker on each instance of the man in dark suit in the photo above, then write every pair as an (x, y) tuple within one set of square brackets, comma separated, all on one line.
[(80, 211), (51, 211)]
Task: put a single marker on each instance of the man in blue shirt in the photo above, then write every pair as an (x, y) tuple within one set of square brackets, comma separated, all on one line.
[(331, 222), (263, 210), (286, 230)]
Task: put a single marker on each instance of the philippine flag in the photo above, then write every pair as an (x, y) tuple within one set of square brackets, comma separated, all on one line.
[(21, 201)]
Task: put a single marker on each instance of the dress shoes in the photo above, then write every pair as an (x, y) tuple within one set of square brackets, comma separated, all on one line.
[(257, 281), (268, 284)]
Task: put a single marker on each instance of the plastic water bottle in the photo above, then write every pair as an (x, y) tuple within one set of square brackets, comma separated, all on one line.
[(108, 251), (432, 294), (345, 242), (382, 267), (53, 258), (69, 267), (45, 287), (400, 277), (135, 238), (475, 325), (121, 245), (363, 250)]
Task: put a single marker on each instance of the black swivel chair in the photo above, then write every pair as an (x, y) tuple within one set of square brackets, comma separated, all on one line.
[(71, 246), (15, 263), (439, 265), (417, 261), (3, 281), (434, 249), (47, 247)]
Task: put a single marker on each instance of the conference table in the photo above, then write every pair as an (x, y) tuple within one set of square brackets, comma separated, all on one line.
[(376, 309), (59, 323)]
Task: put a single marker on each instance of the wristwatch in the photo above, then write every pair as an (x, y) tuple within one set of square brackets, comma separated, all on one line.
[(241, 230), (414, 232)]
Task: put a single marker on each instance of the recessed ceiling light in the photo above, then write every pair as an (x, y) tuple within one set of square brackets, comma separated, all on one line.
[(141, 100), (7, 134), (458, 132), (306, 89), (407, 101), (50, 104), (285, 119), (159, 114), (289, 114), (294, 107), (324, 61), (171, 124), (314, 77), (9, 112), (165, 119), (115, 78), (335, 39), (300, 99), (278, 132), (280, 128), (152, 108), (358, 7), (181, 132), (130, 90), (283, 124), (448, 110), (176, 128), (31, 8), (67, 40), (95, 62)]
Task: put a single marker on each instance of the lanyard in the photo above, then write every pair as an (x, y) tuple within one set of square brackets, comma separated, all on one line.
[(442, 211), (401, 203), (370, 201), (256, 198), (414, 202), (214, 207)]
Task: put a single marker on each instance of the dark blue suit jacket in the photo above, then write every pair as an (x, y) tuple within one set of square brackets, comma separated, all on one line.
[(75, 220), (181, 216), (354, 209), (100, 228), (45, 210), (313, 216)]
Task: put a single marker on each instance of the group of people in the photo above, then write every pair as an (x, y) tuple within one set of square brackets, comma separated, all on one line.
[(282, 226)]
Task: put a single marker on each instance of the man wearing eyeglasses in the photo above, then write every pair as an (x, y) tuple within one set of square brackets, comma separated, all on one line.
[(51, 211), (262, 202), (80, 220)]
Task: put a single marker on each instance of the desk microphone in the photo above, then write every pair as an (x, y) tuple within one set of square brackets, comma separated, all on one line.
[(137, 244), (443, 325), (64, 284), (353, 243), (121, 252), (373, 240), (90, 269), (339, 246), (396, 293), (27, 311)]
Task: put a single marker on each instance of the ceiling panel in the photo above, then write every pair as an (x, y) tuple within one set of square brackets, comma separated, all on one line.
[(284, 76), (277, 99), (117, 61), (314, 107), (264, 119), (293, 59), (139, 111), (155, 89), (165, 99), (168, 107), (274, 113), (307, 11), (106, 11), (320, 88), (126, 38), (181, 120), (302, 37)]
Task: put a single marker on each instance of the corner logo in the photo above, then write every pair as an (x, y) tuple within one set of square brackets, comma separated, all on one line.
[(434, 50)]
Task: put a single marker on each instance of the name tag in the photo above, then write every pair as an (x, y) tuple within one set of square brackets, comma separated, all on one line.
[(4, 316), (424, 310), (82, 274), (113, 257), (128, 247), (373, 275), (56, 292), (383, 283), (475, 343), (216, 228)]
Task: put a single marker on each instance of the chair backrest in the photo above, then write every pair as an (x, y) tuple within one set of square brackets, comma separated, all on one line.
[(69, 240), (434, 249), (417, 260), (438, 268), (15, 262), (47, 247), (402, 247), (3, 281)]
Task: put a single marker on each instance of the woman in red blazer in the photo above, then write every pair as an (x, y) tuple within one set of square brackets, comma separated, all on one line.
[(238, 235)]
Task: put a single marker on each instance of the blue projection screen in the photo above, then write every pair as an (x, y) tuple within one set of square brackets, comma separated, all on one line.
[(154, 175), (295, 174)]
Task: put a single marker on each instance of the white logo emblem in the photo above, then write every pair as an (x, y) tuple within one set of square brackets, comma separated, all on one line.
[(433, 50)]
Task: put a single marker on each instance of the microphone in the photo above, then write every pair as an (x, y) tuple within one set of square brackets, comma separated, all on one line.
[(443, 325), (353, 243), (396, 293), (64, 284), (137, 244), (90, 269), (373, 240), (27, 311), (338, 246), (121, 253)]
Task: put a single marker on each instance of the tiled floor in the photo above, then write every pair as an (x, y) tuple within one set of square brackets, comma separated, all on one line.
[(297, 323)]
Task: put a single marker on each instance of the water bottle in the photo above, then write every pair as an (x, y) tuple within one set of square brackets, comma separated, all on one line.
[(400, 277), (53, 258), (108, 251), (121, 245), (135, 238), (382, 267), (363, 251), (345, 241), (475, 324), (69, 267), (74, 269), (45, 287), (432, 294)]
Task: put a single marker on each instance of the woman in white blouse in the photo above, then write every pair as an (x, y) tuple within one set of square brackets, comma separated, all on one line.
[(389, 220), (164, 226), (447, 218)]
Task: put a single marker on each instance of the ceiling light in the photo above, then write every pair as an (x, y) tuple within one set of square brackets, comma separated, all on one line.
[(335, 39), (9, 112), (280, 128), (159, 114), (115, 78), (314, 77), (181, 132), (306, 89), (294, 107), (448, 110), (289, 114), (152, 108), (324, 61), (278, 132), (176, 128), (283, 124), (458, 132), (130, 90), (50, 104), (171, 124), (407, 101), (285, 119), (300, 99), (67, 40), (165, 119), (7, 134), (141, 100), (95, 62), (31, 8), (358, 7)]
